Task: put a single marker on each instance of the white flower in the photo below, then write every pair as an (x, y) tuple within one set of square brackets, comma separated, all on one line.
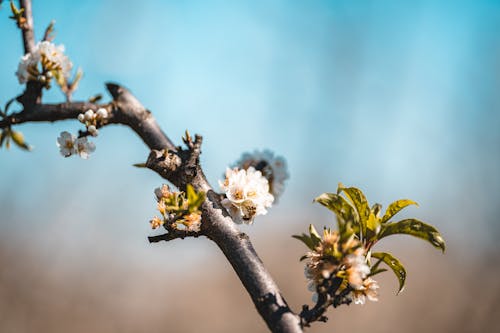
[(66, 144), (247, 194), (92, 130), (81, 118), (89, 115), (84, 148), (51, 57), (102, 113), (272, 167), (27, 68), (356, 268), (367, 290)]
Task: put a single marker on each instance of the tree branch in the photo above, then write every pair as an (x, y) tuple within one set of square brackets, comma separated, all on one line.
[(216, 224), (33, 93), (27, 28)]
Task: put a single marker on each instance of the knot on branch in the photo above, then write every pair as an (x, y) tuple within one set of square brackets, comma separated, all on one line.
[(180, 167), (164, 162)]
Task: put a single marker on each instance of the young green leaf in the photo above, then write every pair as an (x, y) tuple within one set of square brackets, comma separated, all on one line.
[(395, 265), (316, 238), (195, 199), (337, 204), (307, 240), (359, 201), (18, 139), (395, 207), (373, 225), (414, 228)]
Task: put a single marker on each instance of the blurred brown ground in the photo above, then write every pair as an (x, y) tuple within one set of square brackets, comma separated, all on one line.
[(41, 291)]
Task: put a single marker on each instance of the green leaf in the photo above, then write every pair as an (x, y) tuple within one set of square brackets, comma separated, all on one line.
[(337, 204), (195, 199), (76, 80), (359, 202), (307, 240), (374, 272), (373, 224), (416, 228), (395, 207), (316, 238), (18, 139), (395, 265)]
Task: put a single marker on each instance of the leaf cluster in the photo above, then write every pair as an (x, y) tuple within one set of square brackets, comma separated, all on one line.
[(355, 216)]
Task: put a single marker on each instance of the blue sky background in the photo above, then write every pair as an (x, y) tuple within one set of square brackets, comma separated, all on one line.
[(398, 98)]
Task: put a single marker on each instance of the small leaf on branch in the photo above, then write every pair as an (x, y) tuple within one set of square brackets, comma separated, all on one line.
[(395, 207), (76, 80), (337, 204), (394, 264), (48, 36), (416, 228), (17, 15), (307, 240), (18, 139), (359, 202), (95, 98)]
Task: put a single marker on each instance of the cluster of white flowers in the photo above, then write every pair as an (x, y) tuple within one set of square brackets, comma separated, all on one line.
[(247, 194), (274, 168), (93, 119), (357, 272), (52, 59), (356, 268), (367, 290), (70, 145)]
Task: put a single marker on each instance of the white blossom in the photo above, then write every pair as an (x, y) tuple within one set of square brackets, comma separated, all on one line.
[(89, 115), (247, 194), (84, 148), (50, 56), (102, 113), (369, 290), (54, 57), (356, 268), (27, 65), (81, 118), (274, 168), (66, 144), (92, 130)]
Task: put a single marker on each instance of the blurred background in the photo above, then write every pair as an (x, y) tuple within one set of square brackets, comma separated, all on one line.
[(398, 98)]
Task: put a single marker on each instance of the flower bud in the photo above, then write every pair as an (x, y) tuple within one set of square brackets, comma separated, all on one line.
[(89, 115), (92, 130), (102, 113)]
